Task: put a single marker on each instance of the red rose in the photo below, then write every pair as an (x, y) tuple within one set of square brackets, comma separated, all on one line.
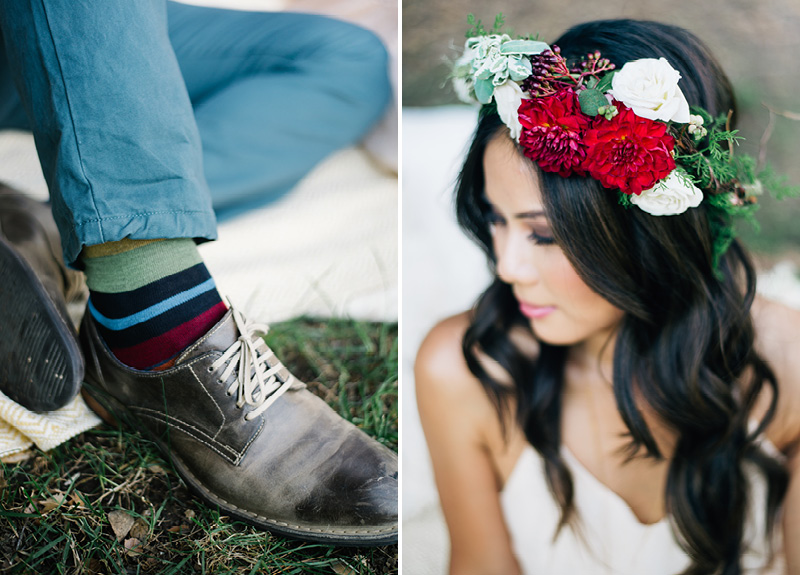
[(628, 152), (552, 132)]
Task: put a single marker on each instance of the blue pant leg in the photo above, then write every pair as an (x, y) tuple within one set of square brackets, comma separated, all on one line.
[(111, 117), (274, 93)]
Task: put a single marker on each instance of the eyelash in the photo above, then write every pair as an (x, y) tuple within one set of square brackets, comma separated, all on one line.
[(494, 220), (541, 240)]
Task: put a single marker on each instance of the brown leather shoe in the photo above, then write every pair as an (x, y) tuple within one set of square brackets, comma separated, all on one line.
[(251, 439), (41, 366)]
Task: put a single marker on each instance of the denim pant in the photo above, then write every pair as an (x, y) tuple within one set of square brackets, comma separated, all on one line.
[(148, 116)]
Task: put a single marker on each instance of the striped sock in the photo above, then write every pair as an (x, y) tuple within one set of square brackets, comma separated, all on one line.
[(150, 299)]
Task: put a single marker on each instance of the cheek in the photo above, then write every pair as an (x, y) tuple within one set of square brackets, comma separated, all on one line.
[(577, 298)]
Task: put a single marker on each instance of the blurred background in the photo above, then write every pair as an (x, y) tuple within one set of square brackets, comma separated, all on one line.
[(757, 44)]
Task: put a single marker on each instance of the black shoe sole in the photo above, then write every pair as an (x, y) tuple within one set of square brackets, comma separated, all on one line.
[(41, 365), (342, 537)]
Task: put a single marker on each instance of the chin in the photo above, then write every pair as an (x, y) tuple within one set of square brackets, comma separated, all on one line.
[(557, 335)]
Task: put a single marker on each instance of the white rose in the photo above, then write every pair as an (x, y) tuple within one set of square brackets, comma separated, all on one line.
[(650, 88), (671, 196), (508, 98)]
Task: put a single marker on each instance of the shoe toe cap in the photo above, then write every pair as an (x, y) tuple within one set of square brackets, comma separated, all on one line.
[(359, 486)]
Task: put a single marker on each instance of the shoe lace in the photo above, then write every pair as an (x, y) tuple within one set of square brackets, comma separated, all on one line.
[(258, 382)]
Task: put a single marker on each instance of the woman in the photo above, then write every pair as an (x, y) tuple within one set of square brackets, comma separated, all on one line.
[(610, 405)]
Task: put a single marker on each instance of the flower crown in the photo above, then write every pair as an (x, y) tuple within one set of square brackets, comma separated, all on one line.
[(631, 129)]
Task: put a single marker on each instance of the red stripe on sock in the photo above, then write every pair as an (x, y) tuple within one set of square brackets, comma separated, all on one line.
[(158, 349)]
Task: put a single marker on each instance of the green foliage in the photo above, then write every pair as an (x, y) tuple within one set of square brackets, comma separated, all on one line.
[(721, 213), (478, 29), (591, 100), (732, 181), (605, 83), (710, 161)]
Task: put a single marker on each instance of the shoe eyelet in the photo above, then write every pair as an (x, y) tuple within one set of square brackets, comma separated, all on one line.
[(210, 369)]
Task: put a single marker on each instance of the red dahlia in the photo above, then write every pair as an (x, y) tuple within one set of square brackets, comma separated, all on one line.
[(628, 152), (552, 132)]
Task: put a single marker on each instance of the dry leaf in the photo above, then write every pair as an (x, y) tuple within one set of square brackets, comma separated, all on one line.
[(76, 499), (39, 466), (131, 543), (52, 502), (140, 529), (341, 569), (121, 523), (94, 567)]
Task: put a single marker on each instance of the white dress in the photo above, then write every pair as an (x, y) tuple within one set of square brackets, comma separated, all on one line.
[(612, 541)]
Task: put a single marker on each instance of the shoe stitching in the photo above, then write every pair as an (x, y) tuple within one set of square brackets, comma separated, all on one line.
[(205, 338), (159, 416), (256, 516), (341, 531), (252, 439), (214, 401), (187, 428)]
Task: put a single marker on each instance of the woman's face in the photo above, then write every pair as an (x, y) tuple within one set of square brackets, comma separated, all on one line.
[(561, 308)]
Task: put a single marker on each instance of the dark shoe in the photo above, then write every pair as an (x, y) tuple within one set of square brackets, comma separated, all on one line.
[(41, 366), (251, 439)]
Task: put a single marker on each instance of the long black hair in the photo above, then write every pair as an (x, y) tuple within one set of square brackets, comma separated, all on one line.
[(685, 343)]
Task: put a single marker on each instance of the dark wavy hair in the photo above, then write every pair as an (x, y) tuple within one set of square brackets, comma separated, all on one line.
[(685, 343)]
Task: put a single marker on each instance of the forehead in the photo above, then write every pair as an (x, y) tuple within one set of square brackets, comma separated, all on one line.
[(511, 181)]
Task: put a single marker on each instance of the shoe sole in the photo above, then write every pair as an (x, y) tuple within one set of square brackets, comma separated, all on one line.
[(41, 365), (345, 537)]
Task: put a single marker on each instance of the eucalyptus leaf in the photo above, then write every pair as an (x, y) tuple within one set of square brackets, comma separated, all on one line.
[(605, 83), (591, 100), (528, 47)]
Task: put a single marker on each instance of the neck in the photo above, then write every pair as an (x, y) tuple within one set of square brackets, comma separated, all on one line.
[(596, 354)]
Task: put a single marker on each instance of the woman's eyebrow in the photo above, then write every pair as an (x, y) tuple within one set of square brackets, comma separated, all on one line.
[(532, 214)]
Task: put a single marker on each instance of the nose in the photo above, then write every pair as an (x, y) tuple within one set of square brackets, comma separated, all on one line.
[(516, 260)]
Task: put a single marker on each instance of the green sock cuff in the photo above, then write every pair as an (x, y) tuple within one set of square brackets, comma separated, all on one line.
[(137, 267)]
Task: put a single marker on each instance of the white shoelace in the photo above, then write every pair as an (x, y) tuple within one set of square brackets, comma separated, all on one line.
[(257, 381)]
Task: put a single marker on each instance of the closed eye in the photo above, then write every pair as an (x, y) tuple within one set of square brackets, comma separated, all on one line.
[(542, 240)]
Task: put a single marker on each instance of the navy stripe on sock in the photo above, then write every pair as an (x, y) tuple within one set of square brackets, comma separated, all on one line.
[(120, 305), (161, 324)]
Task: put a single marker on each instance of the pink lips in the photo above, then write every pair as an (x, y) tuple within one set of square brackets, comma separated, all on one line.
[(535, 312)]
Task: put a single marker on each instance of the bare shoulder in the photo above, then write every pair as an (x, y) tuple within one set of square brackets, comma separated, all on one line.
[(778, 342), (442, 376), (471, 457), (440, 356), (452, 402)]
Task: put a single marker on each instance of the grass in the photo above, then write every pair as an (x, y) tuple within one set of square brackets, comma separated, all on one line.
[(59, 510)]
